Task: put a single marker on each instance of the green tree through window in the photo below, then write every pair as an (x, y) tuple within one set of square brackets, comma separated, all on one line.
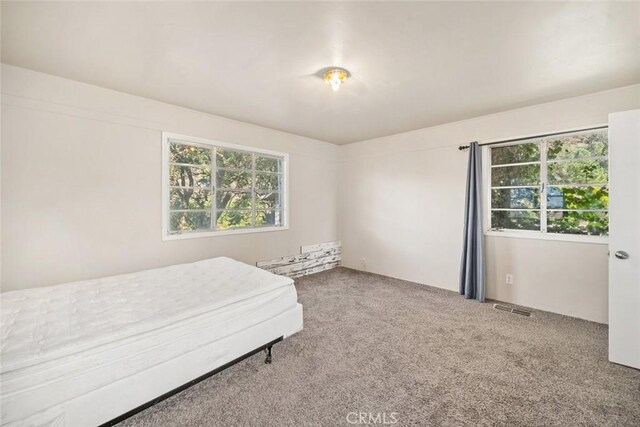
[(218, 188), (558, 184)]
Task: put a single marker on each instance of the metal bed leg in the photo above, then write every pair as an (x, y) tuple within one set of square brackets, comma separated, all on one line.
[(268, 358)]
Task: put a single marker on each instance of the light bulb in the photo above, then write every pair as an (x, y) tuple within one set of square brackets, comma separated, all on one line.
[(335, 82), (335, 78)]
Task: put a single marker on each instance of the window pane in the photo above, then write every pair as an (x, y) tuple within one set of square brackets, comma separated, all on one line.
[(189, 198), (515, 175), (181, 221), (226, 158), (516, 198), (233, 219), (234, 180), (266, 218), (268, 164), (268, 200), (233, 200), (181, 153), (519, 153), (578, 172), (515, 220), (588, 197), (268, 181), (577, 222), (189, 176), (575, 146)]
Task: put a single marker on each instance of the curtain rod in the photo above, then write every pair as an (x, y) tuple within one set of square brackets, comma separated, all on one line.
[(503, 141)]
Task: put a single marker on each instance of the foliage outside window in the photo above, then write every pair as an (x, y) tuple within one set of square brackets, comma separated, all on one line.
[(557, 184), (213, 188)]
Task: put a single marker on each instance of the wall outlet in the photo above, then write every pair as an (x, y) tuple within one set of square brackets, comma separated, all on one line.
[(363, 263), (509, 279)]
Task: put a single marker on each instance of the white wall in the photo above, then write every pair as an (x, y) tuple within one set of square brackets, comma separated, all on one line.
[(399, 199), (81, 183), (402, 200)]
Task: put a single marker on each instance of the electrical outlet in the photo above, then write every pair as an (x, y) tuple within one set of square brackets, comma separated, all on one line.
[(363, 263), (509, 279)]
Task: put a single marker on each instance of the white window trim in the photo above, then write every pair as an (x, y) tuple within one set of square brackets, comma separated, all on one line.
[(527, 234), (538, 235), (166, 137)]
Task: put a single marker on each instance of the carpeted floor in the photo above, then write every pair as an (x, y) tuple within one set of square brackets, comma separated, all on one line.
[(419, 356)]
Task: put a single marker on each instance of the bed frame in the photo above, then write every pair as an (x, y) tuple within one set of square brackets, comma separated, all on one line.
[(101, 395), (265, 347), (121, 399)]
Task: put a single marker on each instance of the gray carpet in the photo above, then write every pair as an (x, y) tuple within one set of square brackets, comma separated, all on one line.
[(418, 355)]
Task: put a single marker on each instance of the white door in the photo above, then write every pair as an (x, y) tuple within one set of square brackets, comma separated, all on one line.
[(624, 241)]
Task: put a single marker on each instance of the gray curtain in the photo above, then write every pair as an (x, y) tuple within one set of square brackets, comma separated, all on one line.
[(472, 283)]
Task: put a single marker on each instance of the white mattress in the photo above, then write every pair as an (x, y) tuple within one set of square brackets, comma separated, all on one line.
[(64, 341)]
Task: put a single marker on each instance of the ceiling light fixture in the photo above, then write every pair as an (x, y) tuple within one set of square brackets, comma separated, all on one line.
[(334, 77)]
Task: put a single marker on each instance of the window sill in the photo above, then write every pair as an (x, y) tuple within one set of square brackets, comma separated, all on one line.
[(196, 235), (597, 240)]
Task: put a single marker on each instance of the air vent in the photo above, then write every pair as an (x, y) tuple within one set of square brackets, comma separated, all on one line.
[(521, 312), (512, 310)]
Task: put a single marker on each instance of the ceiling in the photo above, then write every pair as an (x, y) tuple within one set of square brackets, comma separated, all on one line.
[(413, 64)]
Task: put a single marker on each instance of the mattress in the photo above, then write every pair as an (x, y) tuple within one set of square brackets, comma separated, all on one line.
[(64, 341)]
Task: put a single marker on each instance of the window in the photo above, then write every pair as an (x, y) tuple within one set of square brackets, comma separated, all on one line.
[(556, 184), (212, 188)]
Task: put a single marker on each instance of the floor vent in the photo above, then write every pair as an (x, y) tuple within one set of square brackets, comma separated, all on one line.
[(512, 310), (502, 307)]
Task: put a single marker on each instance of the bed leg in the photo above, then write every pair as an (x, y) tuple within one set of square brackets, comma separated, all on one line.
[(267, 360)]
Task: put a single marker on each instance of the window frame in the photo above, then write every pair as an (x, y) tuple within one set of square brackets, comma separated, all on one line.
[(541, 234), (168, 137)]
